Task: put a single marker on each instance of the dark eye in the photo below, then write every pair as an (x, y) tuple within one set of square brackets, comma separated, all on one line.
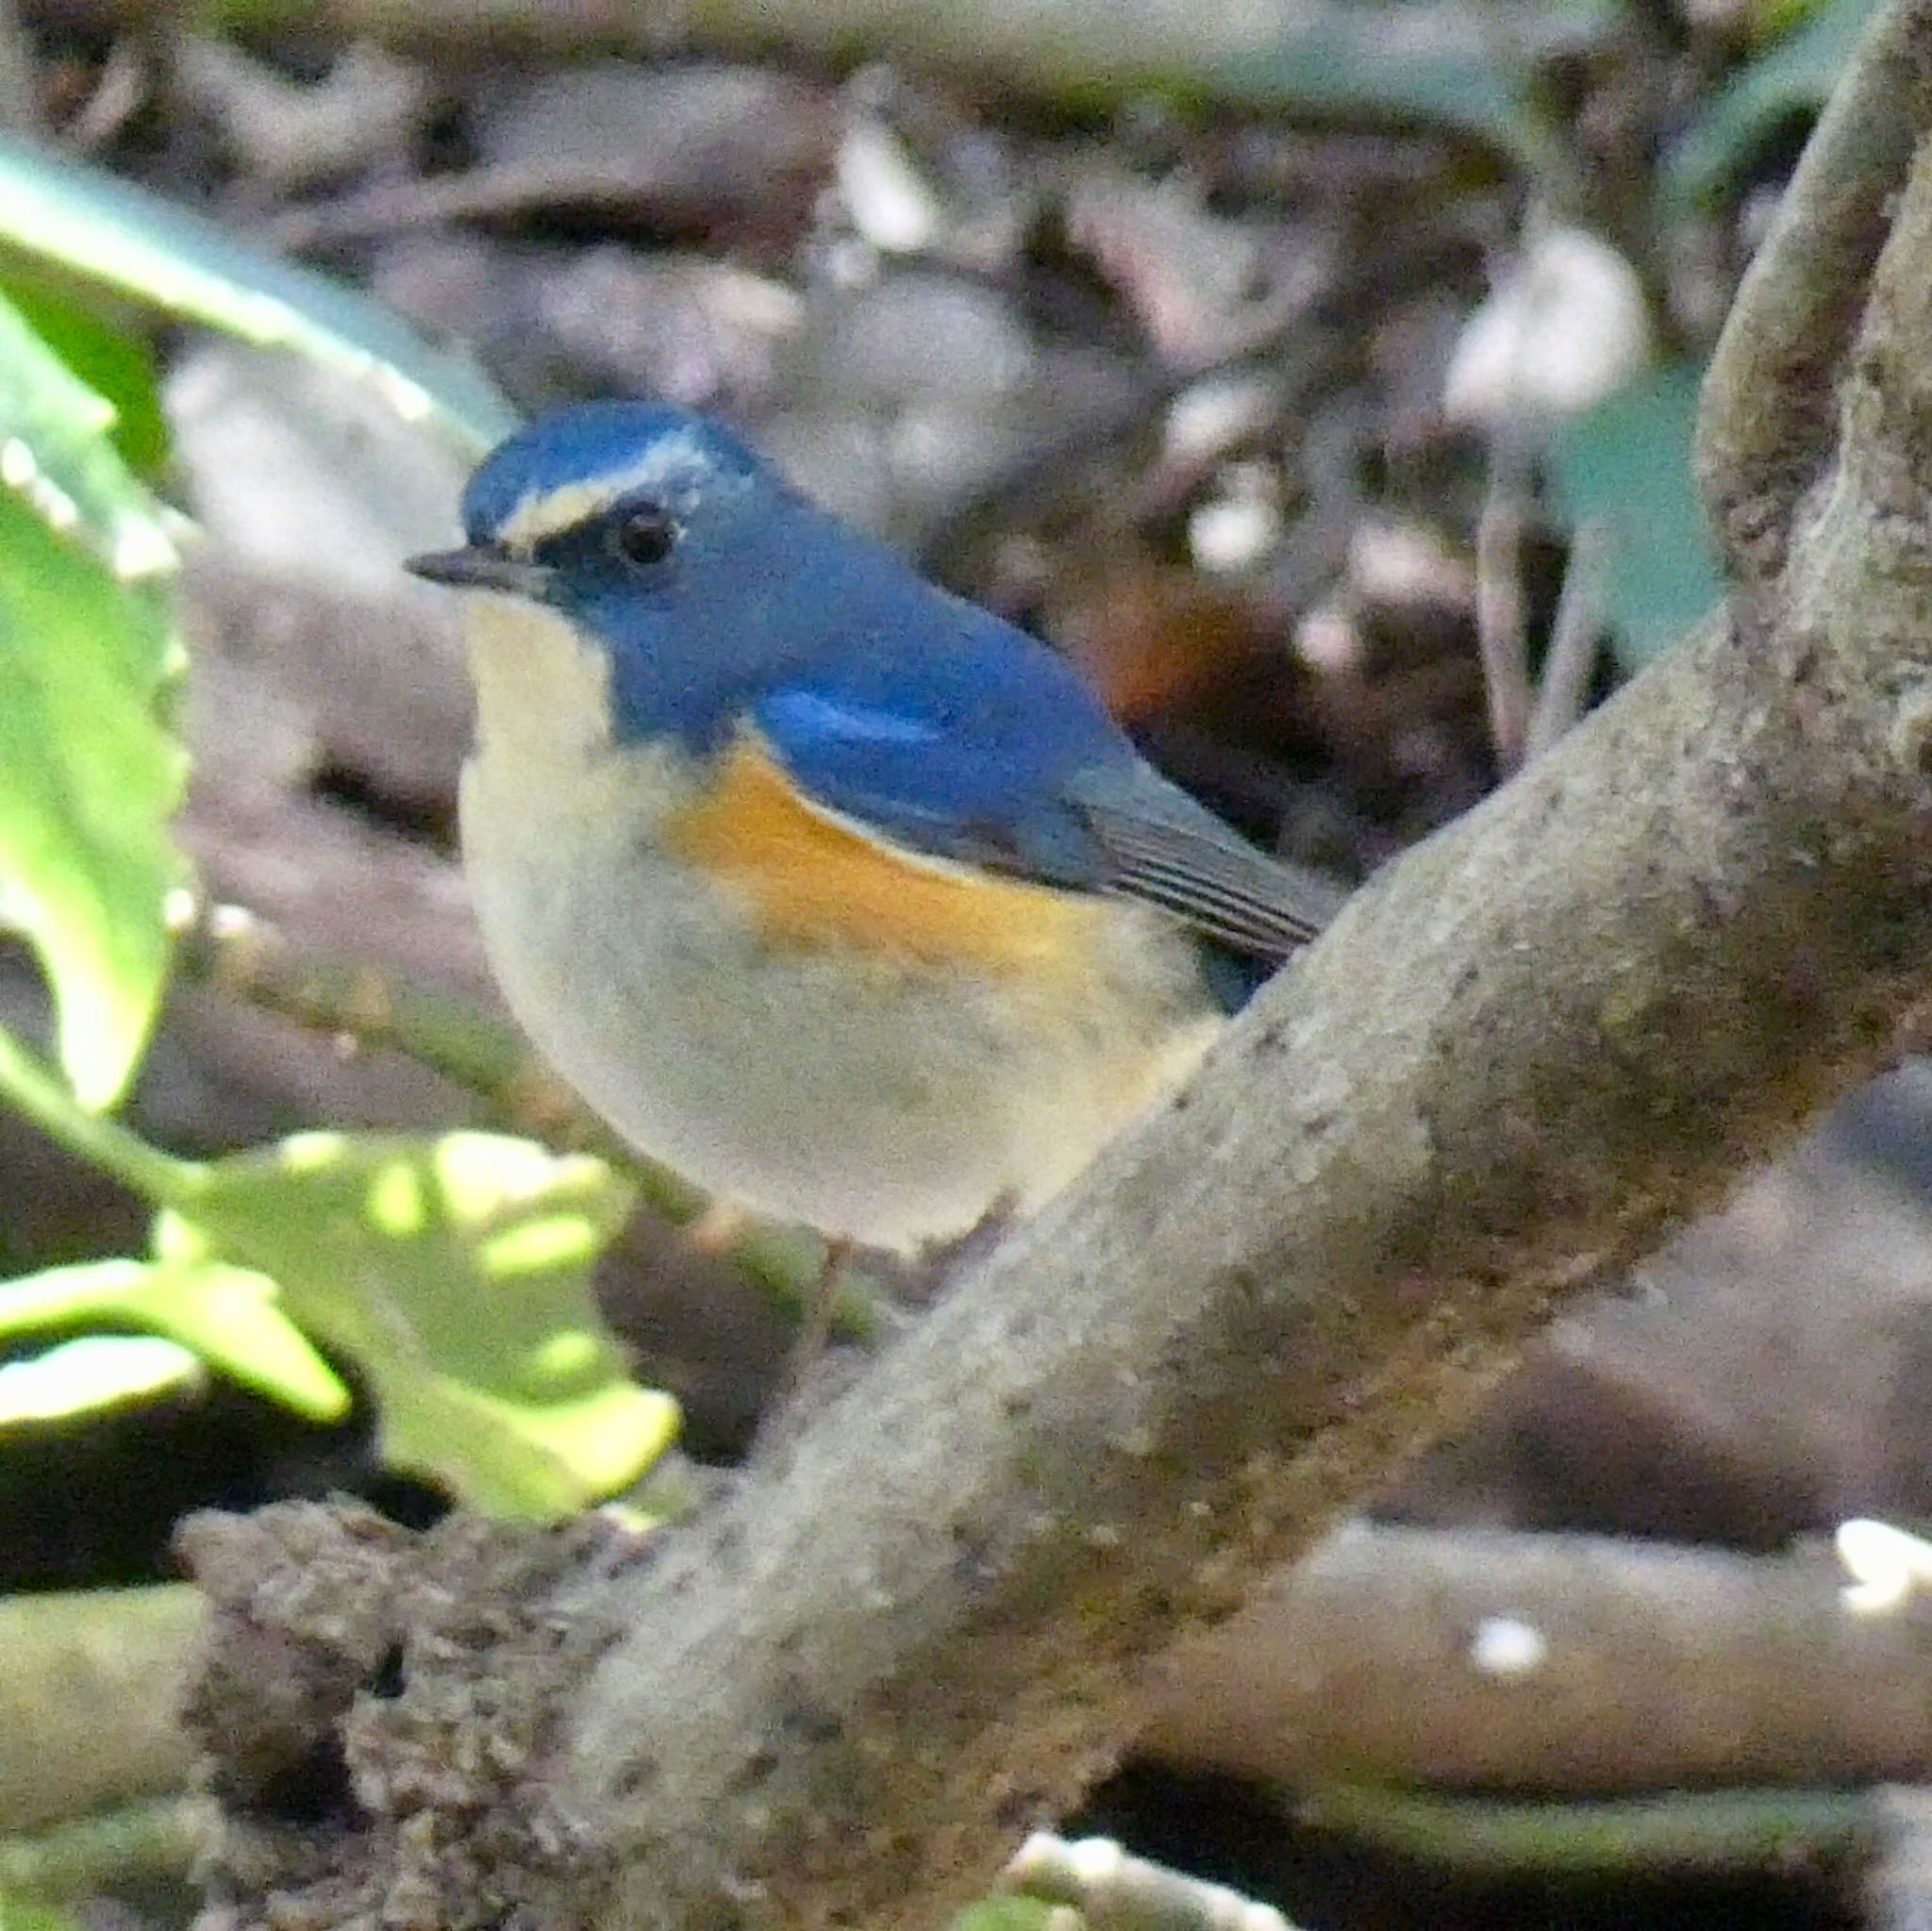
[(643, 534)]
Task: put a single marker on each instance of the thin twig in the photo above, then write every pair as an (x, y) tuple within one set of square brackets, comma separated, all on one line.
[(248, 958), (1502, 629), (1575, 636), (1115, 1891)]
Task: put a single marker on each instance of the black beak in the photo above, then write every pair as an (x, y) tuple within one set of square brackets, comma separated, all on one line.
[(482, 569)]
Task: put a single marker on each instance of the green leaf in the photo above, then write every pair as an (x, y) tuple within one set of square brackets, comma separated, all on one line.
[(227, 1316), (21, 1912), (1790, 80), (59, 455), (56, 210), (1005, 1912), (114, 360), (454, 1273), (92, 1375), (89, 776), (1624, 468)]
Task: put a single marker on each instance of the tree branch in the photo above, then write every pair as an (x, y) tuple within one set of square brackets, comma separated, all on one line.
[(1586, 1665), (89, 1701), (1767, 425)]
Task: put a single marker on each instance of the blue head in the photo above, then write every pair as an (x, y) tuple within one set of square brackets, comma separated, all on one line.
[(665, 539)]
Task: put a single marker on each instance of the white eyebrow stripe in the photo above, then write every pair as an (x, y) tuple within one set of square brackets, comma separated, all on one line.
[(545, 512)]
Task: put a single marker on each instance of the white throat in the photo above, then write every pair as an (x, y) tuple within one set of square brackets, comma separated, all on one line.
[(542, 687)]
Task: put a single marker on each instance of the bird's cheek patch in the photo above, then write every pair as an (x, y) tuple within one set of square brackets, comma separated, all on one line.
[(812, 880)]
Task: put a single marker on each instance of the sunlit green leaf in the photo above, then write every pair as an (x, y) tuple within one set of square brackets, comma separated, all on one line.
[(227, 1316), (54, 209), (110, 356), (1008, 1912), (1623, 468), (454, 1273), (89, 775), (57, 451), (92, 1375)]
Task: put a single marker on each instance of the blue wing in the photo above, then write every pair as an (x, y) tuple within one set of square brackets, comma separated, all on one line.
[(991, 750), (964, 753)]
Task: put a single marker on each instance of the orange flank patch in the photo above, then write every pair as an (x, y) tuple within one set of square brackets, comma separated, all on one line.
[(813, 881)]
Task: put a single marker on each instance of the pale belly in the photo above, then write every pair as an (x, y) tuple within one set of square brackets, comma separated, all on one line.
[(886, 1103)]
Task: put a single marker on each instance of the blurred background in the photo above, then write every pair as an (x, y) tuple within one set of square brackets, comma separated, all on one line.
[(1320, 376)]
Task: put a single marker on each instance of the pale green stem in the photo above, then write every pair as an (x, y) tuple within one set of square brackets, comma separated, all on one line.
[(1682, 1830), (78, 1861), (39, 1093)]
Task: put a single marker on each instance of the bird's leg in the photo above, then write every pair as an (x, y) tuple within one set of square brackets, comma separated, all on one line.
[(815, 1327)]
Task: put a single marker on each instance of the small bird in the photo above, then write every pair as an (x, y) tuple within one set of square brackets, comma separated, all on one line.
[(840, 896)]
